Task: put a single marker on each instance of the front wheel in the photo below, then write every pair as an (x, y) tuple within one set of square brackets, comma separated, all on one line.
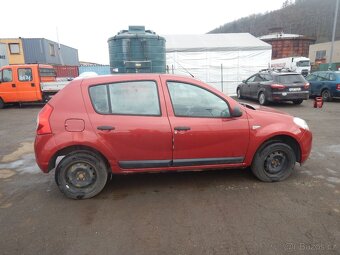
[(274, 162), (262, 99), (239, 96), (2, 104), (81, 175), (326, 95)]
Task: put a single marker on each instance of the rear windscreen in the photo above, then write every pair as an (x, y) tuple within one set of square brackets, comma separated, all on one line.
[(290, 78), (47, 72)]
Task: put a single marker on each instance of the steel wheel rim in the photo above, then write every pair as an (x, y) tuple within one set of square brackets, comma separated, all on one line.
[(275, 162), (261, 98), (325, 95), (238, 93), (81, 175)]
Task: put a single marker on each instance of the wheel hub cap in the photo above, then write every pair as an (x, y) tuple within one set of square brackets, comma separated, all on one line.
[(275, 162), (81, 175)]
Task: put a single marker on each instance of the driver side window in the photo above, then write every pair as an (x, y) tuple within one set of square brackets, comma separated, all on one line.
[(193, 101)]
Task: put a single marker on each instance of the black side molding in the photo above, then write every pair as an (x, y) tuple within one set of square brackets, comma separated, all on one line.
[(178, 162)]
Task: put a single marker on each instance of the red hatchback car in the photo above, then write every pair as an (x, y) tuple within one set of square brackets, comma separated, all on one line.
[(156, 122)]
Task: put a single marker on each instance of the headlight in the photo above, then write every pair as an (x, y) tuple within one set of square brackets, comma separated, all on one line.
[(301, 123)]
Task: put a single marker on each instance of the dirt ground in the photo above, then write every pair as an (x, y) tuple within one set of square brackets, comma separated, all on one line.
[(211, 212)]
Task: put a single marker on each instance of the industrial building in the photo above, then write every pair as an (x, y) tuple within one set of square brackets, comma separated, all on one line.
[(39, 50), (288, 45), (221, 60), (320, 53)]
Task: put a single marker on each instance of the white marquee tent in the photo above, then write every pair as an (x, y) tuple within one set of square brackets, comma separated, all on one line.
[(221, 60)]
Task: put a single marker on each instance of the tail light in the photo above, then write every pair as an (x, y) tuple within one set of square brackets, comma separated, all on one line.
[(306, 86), (277, 86), (337, 86), (43, 121)]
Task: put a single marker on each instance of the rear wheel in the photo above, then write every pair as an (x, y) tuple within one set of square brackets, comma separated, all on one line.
[(2, 104), (299, 101), (81, 175), (239, 96), (274, 162), (262, 99), (326, 95)]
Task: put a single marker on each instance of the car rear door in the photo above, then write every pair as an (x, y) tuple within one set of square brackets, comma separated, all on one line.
[(26, 87), (203, 131), (129, 117)]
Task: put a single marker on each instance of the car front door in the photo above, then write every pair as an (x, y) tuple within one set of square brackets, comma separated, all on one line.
[(203, 131), (8, 91), (130, 118), (247, 86), (255, 86)]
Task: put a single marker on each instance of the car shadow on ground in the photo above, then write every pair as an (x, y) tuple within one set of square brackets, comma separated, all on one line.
[(23, 106), (121, 186)]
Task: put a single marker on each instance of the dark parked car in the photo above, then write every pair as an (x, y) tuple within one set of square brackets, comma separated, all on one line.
[(271, 86), (137, 123), (325, 84)]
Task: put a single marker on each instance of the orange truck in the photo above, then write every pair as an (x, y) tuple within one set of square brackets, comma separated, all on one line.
[(28, 83)]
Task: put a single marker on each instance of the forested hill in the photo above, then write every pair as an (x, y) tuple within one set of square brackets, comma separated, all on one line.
[(312, 18)]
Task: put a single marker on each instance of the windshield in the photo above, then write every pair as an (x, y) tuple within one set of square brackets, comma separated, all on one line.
[(303, 63), (290, 78)]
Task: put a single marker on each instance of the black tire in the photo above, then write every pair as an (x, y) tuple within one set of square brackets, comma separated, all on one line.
[(2, 104), (274, 162), (238, 92), (262, 99), (298, 101), (81, 175), (326, 95)]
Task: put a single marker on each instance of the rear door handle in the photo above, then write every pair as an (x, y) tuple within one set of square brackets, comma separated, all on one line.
[(32, 84), (182, 128), (108, 128), (13, 86)]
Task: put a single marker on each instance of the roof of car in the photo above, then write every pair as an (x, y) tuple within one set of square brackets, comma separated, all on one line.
[(274, 72)]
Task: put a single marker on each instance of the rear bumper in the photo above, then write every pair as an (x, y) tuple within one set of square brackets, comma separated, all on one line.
[(43, 151), (288, 96)]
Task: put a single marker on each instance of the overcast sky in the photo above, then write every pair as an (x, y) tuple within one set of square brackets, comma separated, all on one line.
[(86, 25)]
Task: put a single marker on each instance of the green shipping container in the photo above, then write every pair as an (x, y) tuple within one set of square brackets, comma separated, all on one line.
[(137, 51)]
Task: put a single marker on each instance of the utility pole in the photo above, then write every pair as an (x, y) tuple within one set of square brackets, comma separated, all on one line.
[(333, 35)]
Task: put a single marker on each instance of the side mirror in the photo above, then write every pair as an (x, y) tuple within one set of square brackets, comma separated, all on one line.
[(244, 81), (236, 112)]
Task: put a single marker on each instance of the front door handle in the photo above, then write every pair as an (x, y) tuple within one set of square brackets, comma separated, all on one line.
[(182, 128), (32, 84), (13, 85), (107, 128)]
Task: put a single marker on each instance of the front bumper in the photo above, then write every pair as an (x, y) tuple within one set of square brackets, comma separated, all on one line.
[(305, 145)]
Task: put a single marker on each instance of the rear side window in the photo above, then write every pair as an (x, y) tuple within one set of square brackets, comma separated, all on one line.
[(290, 78), (126, 98), (25, 74)]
